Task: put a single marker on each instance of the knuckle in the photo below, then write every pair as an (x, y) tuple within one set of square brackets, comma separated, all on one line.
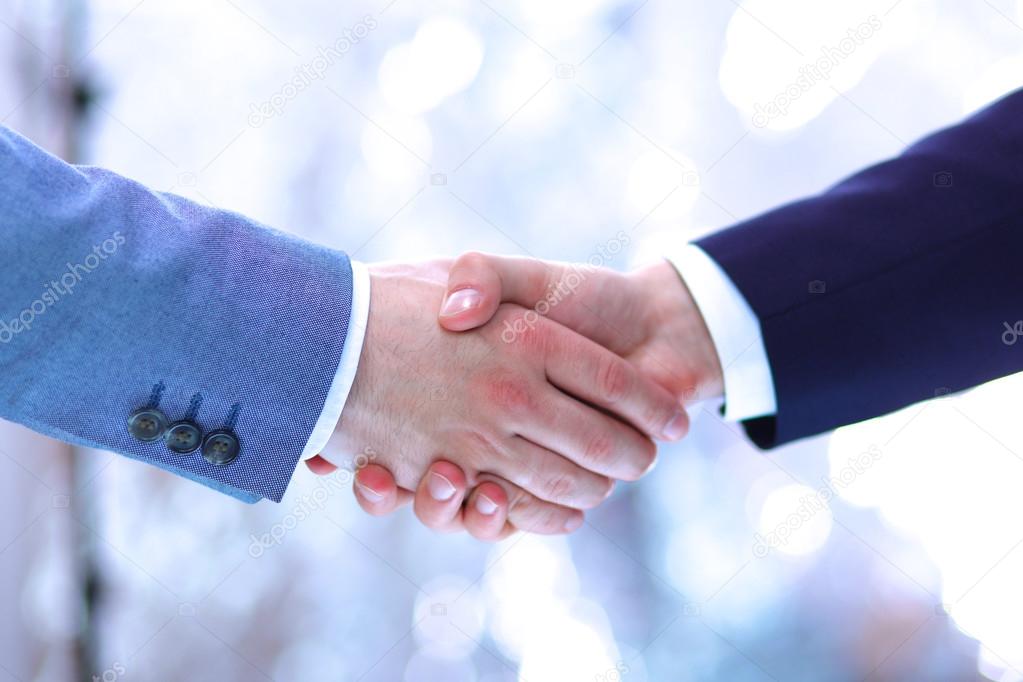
[(559, 488), (542, 280), (578, 490), (598, 450), (532, 336), (526, 328), (549, 519), (510, 394), (472, 259), (525, 512), (533, 515), (517, 497), (614, 380), (519, 505), (481, 450)]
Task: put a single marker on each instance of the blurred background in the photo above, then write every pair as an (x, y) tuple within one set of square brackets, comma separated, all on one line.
[(401, 130)]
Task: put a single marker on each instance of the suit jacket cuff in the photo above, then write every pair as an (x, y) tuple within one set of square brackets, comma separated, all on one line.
[(337, 396), (735, 331)]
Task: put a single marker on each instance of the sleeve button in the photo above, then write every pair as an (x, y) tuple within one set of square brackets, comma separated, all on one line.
[(221, 447), (183, 437), (147, 424)]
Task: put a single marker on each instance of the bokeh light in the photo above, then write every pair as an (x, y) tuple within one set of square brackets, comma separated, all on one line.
[(442, 60), (543, 129)]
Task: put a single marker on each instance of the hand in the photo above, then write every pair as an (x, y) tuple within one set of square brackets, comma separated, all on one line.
[(496, 408), (648, 316), (441, 504)]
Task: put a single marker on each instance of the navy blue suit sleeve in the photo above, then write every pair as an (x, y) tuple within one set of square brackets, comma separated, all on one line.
[(113, 296), (894, 285)]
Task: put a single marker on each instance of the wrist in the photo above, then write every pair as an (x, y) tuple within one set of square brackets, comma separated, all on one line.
[(674, 317)]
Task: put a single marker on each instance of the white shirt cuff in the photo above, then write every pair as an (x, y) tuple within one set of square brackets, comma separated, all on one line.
[(346, 369), (735, 332)]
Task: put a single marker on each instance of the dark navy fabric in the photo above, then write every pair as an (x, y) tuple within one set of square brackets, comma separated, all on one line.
[(109, 289), (894, 286)]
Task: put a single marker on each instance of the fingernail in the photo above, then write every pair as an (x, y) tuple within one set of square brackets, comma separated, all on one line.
[(460, 301), (573, 523), (367, 492), (677, 427), (485, 505), (440, 488)]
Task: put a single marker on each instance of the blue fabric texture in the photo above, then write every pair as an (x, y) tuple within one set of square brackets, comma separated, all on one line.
[(112, 294)]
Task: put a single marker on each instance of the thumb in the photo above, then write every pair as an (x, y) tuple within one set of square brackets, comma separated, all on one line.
[(479, 283), (473, 295)]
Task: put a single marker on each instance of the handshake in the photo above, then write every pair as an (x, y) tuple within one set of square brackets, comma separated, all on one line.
[(540, 386), (501, 393)]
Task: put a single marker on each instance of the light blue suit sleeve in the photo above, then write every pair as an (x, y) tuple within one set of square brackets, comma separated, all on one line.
[(114, 297)]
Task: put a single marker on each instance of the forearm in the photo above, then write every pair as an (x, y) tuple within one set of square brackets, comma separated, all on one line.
[(894, 285), (113, 289)]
